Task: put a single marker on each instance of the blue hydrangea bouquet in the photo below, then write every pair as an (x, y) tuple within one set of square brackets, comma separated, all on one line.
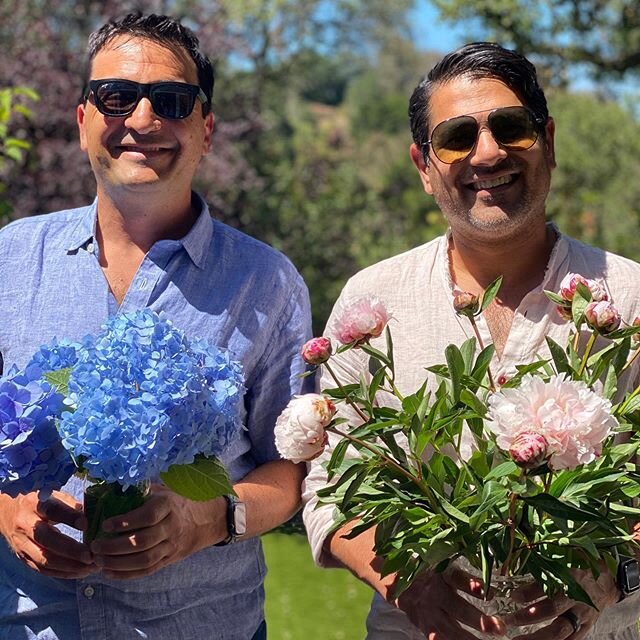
[(137, 403)]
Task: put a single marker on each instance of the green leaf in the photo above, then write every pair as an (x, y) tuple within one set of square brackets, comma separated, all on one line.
[(59, 380), (375, 353), (454, 512), (456, 369), (387, 335), (490, 293), (579, 304), (559, 356), (505, 469), (472, 401), (203, 479), (468, 350), (555, 298), (482, 363), (564, 510)]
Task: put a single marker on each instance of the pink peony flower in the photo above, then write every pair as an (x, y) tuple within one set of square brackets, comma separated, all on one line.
[(528, 449), (570, 282), (572, 419), (316, 351), (361, 320), (465, 303), (300, 429), (602, 316)]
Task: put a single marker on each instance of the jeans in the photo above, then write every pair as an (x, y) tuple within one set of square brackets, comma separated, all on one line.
[(261, 633)]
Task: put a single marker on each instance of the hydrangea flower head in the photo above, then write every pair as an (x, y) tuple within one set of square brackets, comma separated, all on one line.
[(146, 397), (31, 453), (573, 420)]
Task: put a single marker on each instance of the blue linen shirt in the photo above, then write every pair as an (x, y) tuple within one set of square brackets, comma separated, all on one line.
[(215, 283)]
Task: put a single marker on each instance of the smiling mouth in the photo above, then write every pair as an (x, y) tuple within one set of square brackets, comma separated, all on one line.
[(485, 185)]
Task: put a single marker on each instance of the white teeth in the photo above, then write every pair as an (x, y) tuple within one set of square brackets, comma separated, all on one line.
[(489, 184)]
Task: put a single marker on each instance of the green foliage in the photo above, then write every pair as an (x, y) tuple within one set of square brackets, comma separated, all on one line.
[(604, 34), (483, 507), (12, 148), (596, 186), (203, 479)]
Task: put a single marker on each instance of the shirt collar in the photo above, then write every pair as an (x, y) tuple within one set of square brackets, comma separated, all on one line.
[(195, 242)]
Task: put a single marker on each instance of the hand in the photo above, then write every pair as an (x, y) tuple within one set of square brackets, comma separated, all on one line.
[(433, 604), (27, 524), (165, 530), (603, 592)]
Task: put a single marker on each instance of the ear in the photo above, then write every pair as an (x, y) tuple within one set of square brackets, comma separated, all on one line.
[(209, 126), (417, 158), (550, 130), (80, 119)]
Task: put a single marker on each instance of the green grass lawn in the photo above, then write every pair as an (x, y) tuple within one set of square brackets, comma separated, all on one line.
[(305, 602)]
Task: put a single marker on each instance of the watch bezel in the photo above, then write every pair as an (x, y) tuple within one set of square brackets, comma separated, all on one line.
[(628, 578)]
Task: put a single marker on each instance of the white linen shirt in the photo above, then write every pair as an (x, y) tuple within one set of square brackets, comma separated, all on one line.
[(416, 288)]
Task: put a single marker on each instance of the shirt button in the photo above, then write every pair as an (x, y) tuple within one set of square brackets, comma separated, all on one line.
[(90, 247), (502, 379), (89, 592)]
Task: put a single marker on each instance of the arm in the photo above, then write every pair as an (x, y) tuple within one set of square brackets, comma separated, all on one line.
[(27, 522)]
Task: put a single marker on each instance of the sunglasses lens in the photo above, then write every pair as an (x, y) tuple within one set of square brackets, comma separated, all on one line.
[(173, 102), (453, 139), (116, 98), (513, 127)]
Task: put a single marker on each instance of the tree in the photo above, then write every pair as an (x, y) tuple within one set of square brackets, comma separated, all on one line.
[(603, 34)]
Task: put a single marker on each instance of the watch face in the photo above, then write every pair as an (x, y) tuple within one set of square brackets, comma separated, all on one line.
[(239, 519), (632, 576)]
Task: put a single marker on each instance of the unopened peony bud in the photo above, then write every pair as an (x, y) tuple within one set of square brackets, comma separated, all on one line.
[(602, 316), (636, 323), (570, 282), (565, 312), (361, 320), (465, 303), (529, 449), (300, 429), (317, 351)]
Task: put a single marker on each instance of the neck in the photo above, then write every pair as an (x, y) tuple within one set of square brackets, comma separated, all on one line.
[(520, 260), (143, 221)]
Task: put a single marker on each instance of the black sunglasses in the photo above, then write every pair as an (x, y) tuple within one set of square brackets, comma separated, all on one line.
[(514, 128), (119, 98)]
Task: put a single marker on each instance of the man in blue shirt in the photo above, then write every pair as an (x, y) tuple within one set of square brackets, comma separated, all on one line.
[(149, 241)]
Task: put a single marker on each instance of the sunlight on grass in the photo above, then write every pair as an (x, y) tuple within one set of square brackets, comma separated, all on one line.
[(306, 602)]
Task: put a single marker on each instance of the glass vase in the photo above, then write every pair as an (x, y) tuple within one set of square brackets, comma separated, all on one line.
[(104, 500), (501, 603)]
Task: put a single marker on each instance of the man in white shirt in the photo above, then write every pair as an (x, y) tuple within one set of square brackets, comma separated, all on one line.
[(484, 149)]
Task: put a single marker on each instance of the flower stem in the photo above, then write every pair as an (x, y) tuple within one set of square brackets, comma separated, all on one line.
[(426, 489), (347, 397), (492, 386), (587, 352), (512, 533), (629, 362)]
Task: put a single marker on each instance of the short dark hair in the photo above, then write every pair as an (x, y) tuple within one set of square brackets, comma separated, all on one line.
[(477, 60), (163, 30)]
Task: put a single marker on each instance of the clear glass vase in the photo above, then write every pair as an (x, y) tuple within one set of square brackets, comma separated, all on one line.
[(104, 500), (501, 603)]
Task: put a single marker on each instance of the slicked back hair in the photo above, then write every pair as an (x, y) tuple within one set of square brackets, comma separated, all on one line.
[(477, 60), (163, 30)]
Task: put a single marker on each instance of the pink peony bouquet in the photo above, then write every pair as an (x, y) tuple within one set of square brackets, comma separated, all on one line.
[(537, 477)]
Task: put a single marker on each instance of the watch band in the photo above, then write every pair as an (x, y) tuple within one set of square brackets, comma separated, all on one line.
[(236, 521), (628, 578)]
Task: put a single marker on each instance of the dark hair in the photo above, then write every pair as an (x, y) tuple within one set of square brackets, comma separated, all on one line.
[(163, 30), (477, 60)]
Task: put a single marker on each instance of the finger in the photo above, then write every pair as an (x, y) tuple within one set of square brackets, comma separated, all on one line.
[(131, 542), (466, 613), (539, 611), (463, 581), (155, 509), (55, 543), (527, 593), (135, 561), (59, 509), (562, 628)]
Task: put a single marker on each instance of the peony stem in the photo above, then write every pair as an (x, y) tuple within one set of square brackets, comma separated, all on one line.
[(426, 490), (347, 397), (587, 352), (629, 362), (512, 533), (492, 386)]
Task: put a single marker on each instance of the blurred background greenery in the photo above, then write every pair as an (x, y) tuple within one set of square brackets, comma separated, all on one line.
[(310, 150)]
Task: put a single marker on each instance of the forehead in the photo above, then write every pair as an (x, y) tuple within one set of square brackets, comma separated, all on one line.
[(142, 60), (467, 94)]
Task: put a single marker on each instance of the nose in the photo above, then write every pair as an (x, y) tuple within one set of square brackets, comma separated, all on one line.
[(143, 119), (487, 151)]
